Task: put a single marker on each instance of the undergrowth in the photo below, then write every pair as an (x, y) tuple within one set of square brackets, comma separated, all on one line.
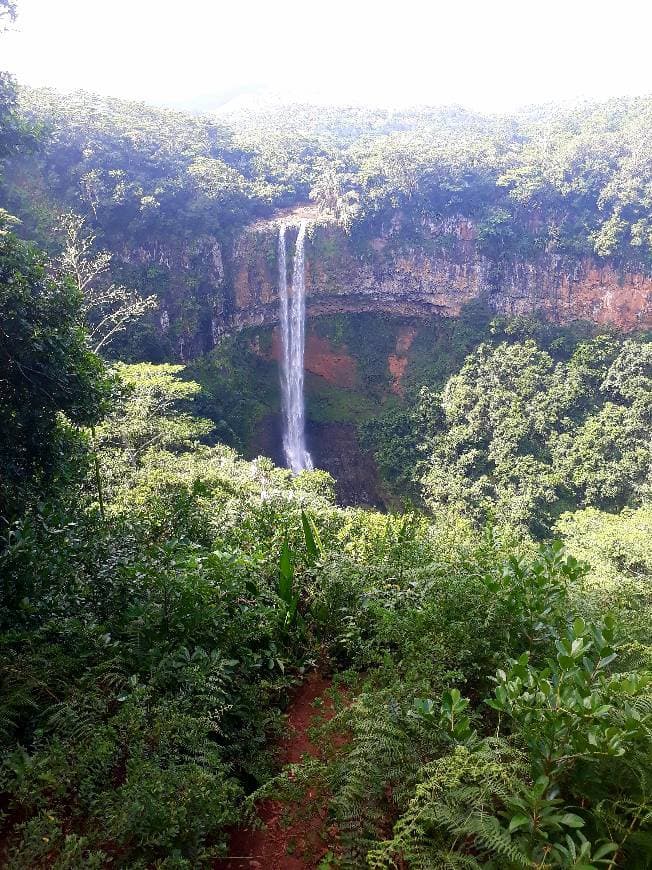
[(495, 716)]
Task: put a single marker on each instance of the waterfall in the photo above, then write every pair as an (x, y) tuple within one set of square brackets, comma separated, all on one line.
[(293, 324)]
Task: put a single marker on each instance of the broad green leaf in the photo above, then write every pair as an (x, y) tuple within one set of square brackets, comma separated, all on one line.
[(314, 546), (570, 820), (518, 822)]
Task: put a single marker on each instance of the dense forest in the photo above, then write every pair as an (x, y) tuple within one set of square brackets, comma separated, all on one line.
[(574, 179), (482, 639)]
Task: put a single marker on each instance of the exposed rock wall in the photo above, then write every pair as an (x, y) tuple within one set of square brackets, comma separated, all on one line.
[(437, 275), (214, 286), (190, 280)]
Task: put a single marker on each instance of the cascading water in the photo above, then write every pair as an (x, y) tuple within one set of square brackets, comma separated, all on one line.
[(293, 317)]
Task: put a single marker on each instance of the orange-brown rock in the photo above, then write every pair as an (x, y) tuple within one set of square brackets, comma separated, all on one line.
[(321, 358), (607, 297), (390, 272), (437, 277), (398, 361)]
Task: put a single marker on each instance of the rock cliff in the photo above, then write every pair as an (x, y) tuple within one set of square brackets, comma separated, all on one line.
[(434, 273)]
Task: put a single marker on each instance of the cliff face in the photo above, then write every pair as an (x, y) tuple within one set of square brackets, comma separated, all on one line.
[(435, 276), (213, 286)]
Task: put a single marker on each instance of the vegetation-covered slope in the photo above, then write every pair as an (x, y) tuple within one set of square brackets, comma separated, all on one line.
[(575, 179), (149, 652), (168, 192), (161, 597)]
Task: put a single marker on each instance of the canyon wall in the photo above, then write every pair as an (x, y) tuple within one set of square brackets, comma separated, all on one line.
[(435, 277), (433, 274)]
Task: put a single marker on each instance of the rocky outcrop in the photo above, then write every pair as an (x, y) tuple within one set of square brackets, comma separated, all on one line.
[(210, 286), (436, 275), (189, 279)]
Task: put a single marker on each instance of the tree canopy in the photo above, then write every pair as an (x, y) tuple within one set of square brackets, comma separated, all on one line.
[(574, 181), (519, 435), (49, 378)]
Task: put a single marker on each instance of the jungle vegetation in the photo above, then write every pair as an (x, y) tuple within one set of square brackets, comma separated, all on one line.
[(162, 597)]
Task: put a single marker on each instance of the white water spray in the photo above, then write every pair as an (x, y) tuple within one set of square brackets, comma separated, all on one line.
[(293, 324)]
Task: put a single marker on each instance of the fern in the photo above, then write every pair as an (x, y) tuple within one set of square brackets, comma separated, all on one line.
[(377, 775), (452, 811)]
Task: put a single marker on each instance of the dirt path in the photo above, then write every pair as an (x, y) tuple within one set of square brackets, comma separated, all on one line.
[(300, 843)]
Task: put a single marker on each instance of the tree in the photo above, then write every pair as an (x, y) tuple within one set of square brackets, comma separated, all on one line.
[(490, 451), (49, 378), (14, 134), (607, 457), (515, 434), (333, 200), (107, 308), (151, 414), (155, 412)]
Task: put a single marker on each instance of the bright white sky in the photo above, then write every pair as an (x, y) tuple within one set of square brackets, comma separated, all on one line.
[(490, 55)]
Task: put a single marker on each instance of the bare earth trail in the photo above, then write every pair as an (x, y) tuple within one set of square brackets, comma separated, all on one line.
[(301, 843)]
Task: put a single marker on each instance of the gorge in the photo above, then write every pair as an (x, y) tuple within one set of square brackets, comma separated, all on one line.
[(398, 296), (422, 229), (325, 478)]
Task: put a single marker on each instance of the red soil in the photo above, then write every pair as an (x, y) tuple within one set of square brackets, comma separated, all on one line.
[(322, 358), (334, 365), (295, 836), (398, 362)]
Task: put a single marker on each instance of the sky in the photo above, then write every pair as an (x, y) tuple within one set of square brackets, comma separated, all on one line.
[(494, 55)]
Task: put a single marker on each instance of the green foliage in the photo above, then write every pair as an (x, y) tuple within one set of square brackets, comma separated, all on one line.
[(449, 803), (517, 434), (50, 381), (167, 192), (150, 412), (540, 794), (238, 390), (16, 137), (148, 657), (314, 546), (286, 592), (619, 547), (561, 710), (495, 716), (146, 662), (332, 200), (535, 592)]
